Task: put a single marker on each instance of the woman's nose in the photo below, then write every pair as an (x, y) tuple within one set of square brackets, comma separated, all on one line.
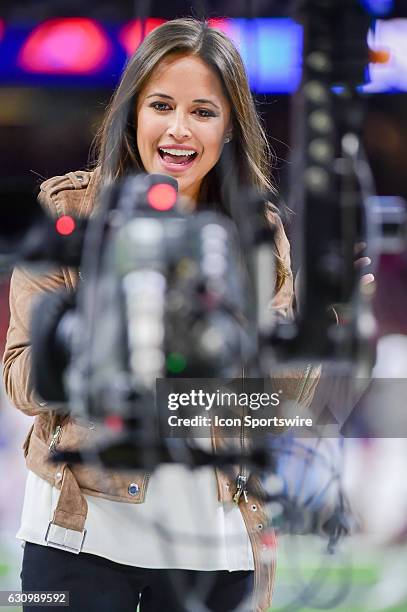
[(179, 125)]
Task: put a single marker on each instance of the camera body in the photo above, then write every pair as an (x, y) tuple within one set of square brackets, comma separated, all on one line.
[(163, 293)]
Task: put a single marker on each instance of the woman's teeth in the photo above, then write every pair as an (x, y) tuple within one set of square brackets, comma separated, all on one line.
[(180, 152), (177, 156)]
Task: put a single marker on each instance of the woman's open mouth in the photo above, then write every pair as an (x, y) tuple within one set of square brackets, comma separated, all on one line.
[(177, 158)]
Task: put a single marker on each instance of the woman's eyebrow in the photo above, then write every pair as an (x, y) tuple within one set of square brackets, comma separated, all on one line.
[(198, 100), (205, 101), (160, 95)]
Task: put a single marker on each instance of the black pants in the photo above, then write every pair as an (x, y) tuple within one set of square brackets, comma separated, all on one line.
[(96, 584)]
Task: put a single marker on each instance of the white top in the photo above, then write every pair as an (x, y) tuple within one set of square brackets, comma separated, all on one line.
[(181, 524)]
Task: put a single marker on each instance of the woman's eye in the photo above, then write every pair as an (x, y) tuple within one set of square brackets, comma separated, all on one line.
[(204, 112), (160, 106)]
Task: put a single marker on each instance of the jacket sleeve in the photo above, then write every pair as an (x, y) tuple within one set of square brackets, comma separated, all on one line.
[(25, 288), (283, 300)]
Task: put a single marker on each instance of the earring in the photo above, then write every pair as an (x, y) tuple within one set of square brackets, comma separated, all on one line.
[(228, 138)]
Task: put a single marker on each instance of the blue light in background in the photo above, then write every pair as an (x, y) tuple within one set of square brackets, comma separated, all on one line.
[(271, 50), (276, 55), (379, 8)]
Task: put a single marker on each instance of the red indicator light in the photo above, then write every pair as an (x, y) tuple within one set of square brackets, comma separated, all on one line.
[(134, 32), (73, 45), (162, 196), (65, 225), (114, 423), (269, 539)]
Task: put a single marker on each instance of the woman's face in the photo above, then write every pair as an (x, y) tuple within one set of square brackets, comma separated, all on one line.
[(183, 117)]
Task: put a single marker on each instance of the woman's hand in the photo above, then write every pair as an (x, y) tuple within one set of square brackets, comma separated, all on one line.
[(363, 262)]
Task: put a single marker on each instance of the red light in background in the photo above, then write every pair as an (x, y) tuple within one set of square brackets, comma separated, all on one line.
[(220, 23), (2, 28), (73, 45), (133, 33), (65, 225), (162, 196)]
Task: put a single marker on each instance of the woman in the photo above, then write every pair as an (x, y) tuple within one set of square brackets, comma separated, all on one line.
[(182, 108)]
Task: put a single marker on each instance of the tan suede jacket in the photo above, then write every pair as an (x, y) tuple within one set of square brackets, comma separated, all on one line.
[(73, 193)]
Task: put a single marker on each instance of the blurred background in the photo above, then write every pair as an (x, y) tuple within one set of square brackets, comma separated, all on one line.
[(59, 62)]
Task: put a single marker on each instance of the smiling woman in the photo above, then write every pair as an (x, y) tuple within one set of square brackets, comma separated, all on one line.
[(189, 80), (183, 108), (183, 118)]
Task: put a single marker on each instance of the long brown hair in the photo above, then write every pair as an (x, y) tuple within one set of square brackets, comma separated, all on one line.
[(245, 161)]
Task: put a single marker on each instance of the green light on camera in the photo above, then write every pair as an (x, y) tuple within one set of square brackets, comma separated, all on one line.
[(176, 363)]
